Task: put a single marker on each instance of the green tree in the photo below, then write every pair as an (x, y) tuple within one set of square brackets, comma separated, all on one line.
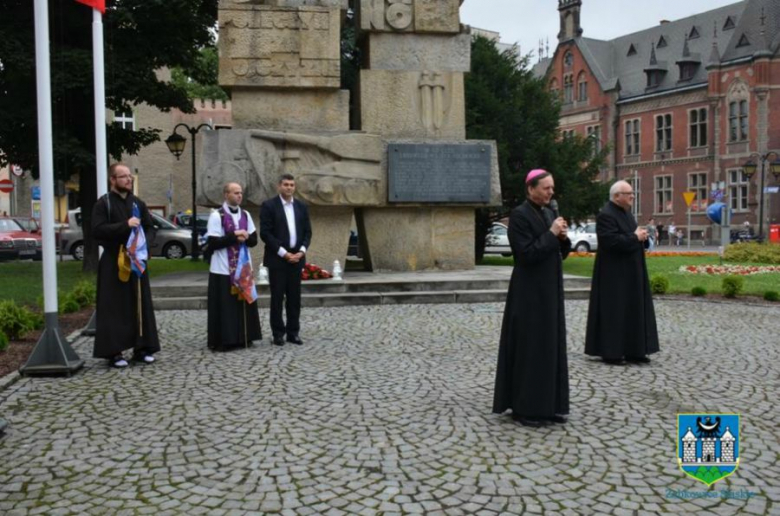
[(203, 81), (505, 102), (141, 37)]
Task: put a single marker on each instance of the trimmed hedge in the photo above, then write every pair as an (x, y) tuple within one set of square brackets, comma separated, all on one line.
[(752, 252), (659, 284), (731, 286)]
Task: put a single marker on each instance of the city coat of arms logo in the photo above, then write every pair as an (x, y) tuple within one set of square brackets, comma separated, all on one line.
[(708, 445)]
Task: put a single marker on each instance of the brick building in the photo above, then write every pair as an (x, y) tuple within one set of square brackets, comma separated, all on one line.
[(682, 105)]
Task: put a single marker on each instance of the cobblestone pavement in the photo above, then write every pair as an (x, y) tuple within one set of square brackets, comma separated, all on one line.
[(386, 410)]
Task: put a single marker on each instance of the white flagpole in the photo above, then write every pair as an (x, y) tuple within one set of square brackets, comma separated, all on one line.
[(101, 154), (45, 154), (52, 353)]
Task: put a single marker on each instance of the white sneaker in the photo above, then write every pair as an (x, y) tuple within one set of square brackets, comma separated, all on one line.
[(144, 357), (119, 363)]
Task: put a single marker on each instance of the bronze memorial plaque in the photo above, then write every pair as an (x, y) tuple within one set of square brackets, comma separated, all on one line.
[(442, 173)]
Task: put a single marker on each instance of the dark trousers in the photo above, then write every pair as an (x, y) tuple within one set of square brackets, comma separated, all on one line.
[(285, 283)]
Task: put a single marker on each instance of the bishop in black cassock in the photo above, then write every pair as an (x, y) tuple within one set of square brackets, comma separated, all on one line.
[(122, 320), (621, 316), (532, 375)]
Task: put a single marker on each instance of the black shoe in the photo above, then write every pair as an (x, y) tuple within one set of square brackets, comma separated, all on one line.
[(118, 362), (638, 360), (278, 341), (557, 418), (295, 339), (528, 421), (613, 361)]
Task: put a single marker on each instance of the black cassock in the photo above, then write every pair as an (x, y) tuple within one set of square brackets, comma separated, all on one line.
[(117, 312), (621, 317), (532, 376)]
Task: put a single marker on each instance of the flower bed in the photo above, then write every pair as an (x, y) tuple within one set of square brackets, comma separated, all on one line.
[(314, 272), (653, 254), (739, 270)]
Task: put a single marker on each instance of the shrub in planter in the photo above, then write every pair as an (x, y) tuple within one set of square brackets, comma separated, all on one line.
[(14, 320), (3, 341), (771, 295), (731, 286), (659, 284), (69, 305), (698, 291)]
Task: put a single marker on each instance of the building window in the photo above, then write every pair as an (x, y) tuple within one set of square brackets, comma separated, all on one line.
[(568, 61), (125, 121), (554, 88), (663, 133), (687, 71), (582, 85), (697, 183), (568, 89), (568, 134), (632, 137), (738, 120), (636, 183), (739, 188), (697, 119), (663, 194), (654, 78), (594, 136)]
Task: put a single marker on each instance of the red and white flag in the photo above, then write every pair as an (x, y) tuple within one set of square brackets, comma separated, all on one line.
[(100, 5)]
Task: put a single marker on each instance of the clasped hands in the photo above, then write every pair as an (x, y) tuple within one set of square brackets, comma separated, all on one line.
[(241, 235), (641, 234), (293, 258)]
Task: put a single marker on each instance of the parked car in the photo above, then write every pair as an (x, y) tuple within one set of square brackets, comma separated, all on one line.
[(184, 220), (584, 239), (15, 242), (171, 241), (29, 224), (497, 240)]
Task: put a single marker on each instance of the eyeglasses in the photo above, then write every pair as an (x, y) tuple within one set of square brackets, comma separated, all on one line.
[(625, 193)]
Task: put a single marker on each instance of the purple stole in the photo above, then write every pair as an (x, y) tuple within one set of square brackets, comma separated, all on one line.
[(228, 226)]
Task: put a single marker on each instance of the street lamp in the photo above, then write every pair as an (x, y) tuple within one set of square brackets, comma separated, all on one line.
[(176, 143), (750, 167)]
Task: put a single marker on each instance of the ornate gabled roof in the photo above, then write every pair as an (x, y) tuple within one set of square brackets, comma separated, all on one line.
[(727, 436), (610, 63), (689, 435)]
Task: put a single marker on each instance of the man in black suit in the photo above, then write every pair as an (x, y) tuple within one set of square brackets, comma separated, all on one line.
[(286, 230)]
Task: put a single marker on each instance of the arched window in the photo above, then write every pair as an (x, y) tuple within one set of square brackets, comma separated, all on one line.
[(739, 110), (582, 87), (555, 88), (568, 61), (568, 88)]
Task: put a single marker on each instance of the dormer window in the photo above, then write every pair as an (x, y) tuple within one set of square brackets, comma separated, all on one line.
[(743, 41), (687, 71), (654, 78), (631, 50), (661, 42), (729, 23), (693, 34)]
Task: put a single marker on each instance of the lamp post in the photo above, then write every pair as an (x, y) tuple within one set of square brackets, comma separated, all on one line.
[(176, 143), (750, 167)]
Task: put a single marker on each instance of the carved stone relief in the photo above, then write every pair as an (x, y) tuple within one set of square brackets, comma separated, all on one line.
[(438, 16), (434, 100)]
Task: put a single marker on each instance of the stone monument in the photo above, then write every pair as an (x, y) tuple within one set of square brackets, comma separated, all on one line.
[(408, 176)]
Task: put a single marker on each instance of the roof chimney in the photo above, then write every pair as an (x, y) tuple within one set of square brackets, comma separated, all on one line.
[(664, 22)]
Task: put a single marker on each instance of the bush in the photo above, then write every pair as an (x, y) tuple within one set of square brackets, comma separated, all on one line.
[(35, 320), (14, 320), (698, 291), (752, 252), (771, 295), (69, 305), (659, 284), (732, 285), (84, 293), (3, 341)]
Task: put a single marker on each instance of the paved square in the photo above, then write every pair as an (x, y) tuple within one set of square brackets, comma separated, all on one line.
[(386, 410)]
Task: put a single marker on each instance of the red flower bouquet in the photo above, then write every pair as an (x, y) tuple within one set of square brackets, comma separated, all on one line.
[(314, 272)]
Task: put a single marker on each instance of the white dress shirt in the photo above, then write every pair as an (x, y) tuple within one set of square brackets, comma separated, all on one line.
[(289, 214)]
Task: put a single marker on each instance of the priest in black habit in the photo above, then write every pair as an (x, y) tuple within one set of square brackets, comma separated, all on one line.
[(621, 317), (532, 376), (124, 313), (232, 321)]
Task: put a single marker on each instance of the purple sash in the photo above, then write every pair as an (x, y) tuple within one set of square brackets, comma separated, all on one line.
[(228, 226)]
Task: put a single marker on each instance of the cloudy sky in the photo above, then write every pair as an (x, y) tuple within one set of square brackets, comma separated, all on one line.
[(526, 21)]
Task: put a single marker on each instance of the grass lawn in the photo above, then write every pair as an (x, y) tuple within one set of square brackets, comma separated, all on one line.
[(679, 283), (23, 281)]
